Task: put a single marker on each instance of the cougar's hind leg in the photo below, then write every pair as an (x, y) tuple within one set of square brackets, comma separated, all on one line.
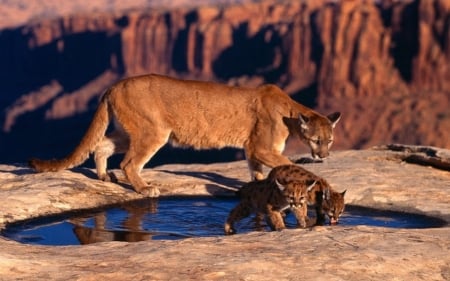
[(143, 145), (101, 154), (113, 143), (259, 221), (237, 214)]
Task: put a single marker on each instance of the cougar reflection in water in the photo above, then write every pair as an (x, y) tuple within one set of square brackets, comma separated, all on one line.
[(132, 224)]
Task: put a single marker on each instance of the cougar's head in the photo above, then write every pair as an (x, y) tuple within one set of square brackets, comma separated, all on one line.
[(317, 132), (293, 192), (333, 205)]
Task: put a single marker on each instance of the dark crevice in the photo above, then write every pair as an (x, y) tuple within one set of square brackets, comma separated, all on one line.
[(405, 41)]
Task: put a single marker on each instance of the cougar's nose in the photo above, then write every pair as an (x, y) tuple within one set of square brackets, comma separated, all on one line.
[(320, 155)]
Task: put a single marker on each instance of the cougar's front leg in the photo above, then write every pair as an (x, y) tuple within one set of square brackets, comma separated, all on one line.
[(267, 157), (320, 215), (275, 219), (256, 169), (265, 149), (301, 214)]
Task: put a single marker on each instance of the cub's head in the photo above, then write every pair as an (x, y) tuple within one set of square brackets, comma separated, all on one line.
[(333, 204), (317, 132), (295, 193)]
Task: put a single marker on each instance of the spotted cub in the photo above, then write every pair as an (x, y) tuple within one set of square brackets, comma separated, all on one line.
[(269, 198), (320, 195)]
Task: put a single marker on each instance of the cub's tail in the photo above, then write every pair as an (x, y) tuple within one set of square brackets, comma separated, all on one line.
[(93, 135)]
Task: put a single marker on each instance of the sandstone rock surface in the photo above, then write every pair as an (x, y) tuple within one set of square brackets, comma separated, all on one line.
[(381, 178)]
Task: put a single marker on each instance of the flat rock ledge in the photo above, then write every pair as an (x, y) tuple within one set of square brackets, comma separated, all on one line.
[(394, 177)]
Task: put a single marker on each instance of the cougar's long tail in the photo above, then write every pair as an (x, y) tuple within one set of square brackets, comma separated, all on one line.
[(92, 137)]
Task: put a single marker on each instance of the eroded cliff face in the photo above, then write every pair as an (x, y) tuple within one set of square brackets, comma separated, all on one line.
[(384, 65), (387, 66)]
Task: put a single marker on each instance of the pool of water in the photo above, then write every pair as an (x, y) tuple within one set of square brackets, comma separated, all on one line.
[(176, 218)]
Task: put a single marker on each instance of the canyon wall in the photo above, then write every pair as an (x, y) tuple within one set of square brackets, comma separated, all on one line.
[(385, 65)]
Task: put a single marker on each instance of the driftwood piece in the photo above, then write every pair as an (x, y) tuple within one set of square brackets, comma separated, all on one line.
[(421, 155)]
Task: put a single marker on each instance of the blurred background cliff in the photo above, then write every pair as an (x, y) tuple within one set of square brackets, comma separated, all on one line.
[(384, 64)]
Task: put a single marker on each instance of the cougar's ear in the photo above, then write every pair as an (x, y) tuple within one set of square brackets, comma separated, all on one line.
[(334, 118), (303, 120), (280, 186), (311, 186), (343, 192)]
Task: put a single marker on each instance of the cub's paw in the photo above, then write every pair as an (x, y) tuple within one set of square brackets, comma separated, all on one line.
[(278, 227), (229, 230), (302, 224), (150, 191)]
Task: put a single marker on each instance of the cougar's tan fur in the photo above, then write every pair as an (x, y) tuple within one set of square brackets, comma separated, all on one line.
[(151, 110)]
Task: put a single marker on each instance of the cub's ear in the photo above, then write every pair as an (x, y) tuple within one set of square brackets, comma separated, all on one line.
[(343, 192), (280, 186), (308, 189), (334, 118), (303, 120)]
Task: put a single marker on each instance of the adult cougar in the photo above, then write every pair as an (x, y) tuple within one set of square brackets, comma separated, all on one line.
[(151, 110)]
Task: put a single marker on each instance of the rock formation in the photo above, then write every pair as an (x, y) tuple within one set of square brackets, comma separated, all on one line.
[(384, 64)]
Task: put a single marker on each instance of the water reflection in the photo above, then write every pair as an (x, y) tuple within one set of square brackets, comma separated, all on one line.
[(133, 230), (176, 218), (143, 220)]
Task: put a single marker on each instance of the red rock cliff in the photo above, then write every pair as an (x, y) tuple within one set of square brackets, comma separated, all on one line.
[(385, 65)]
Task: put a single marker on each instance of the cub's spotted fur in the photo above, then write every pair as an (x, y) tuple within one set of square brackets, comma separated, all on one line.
[(320, 195), (270, 198)]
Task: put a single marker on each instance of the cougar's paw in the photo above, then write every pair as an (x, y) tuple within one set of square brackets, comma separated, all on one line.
[(278, 226), (150, 191), (302, 224), (105, 177), (229, 230), (258, 176)]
